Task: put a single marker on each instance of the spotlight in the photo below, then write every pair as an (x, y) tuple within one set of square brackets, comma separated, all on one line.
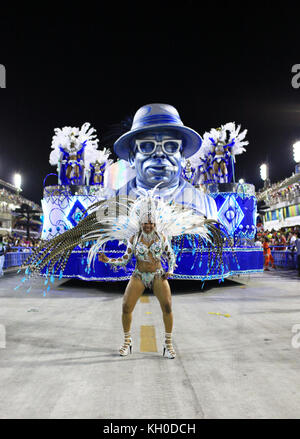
[(17, 181), (264, 172)]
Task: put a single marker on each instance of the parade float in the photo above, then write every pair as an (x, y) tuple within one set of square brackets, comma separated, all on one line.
[(87, 175)]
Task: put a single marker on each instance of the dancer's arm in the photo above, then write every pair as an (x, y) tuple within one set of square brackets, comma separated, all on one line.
[(119, 261), (170, 255)]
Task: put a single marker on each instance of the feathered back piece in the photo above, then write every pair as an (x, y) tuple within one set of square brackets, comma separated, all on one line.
[(119, 219), (169, 218), (54, 253)]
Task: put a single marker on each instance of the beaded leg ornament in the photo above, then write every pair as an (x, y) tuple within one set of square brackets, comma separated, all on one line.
[(127, 345), (168, 349)]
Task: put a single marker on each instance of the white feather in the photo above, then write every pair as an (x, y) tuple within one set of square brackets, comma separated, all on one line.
[(170, 220)]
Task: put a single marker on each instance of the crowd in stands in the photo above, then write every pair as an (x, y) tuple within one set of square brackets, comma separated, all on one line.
[(7, 198), (275, 195), (283, 239), (16, 243), (286, 194)]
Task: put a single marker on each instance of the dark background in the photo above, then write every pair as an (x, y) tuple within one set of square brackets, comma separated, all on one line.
[(214, 64)]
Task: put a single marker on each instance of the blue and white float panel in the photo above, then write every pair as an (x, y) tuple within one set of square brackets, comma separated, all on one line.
[(62, 209)]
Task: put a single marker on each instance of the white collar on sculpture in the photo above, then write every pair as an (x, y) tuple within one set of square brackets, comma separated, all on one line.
[(163, 192)]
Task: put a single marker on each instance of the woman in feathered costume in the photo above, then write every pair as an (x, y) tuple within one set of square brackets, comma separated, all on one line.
[(70, 146), (217, 147), (146, 225)]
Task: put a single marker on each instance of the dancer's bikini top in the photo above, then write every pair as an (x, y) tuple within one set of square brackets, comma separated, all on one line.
[(142, 251)]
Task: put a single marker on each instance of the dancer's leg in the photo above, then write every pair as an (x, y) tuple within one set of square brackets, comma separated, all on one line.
[(162, 291), (134, 290)]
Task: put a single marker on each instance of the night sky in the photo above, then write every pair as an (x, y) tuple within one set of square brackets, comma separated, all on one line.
[(214, 65)]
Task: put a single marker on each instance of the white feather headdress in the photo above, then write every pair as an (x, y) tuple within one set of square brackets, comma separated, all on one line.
[(170, 219), (227, 134), (72, 136), (95, 155), (234, 136)]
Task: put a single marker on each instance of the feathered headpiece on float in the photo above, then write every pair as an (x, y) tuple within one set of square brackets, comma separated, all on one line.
[(101, 156), (227, 135)]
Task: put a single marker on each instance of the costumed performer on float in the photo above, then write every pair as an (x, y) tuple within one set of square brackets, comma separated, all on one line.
[(70, 146), (218, 151)]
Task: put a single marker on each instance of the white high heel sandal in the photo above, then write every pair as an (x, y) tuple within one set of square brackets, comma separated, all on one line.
[(168, 349), (127, 345)]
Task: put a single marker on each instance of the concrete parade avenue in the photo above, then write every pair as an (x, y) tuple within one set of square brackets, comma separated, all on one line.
[(237, 346)]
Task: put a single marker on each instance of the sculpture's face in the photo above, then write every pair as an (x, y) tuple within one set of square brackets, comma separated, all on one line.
[(156, 163)]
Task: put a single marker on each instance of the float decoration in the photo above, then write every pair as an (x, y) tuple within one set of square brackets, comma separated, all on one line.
[(97, 163), (70, 145), (214, 162), (212, 166)]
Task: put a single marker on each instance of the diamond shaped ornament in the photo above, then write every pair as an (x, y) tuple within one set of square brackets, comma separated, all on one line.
[(75, 214), (230, 214)]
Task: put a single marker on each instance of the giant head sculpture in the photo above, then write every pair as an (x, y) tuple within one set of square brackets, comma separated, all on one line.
[(156, 146)]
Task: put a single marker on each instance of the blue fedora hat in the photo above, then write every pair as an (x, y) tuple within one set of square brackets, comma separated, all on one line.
[(153, 116)]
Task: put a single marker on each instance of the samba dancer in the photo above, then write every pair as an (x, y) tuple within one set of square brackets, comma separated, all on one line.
[(147, 225)]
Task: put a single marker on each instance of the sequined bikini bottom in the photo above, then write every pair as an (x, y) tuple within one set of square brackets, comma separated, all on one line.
[(148, 277)]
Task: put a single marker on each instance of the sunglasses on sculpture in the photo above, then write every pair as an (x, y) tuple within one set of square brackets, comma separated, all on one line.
[(148, 147)]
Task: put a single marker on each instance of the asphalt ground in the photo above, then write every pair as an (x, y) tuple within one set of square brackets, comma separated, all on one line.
[(237, 345)]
